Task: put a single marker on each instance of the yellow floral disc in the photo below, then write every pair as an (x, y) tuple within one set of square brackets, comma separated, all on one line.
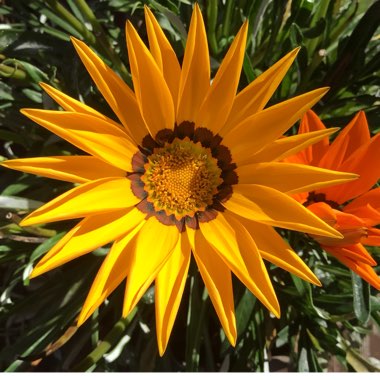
[(181, 178)]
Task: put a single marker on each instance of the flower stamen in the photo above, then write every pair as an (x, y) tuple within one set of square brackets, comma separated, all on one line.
[(181, 178)]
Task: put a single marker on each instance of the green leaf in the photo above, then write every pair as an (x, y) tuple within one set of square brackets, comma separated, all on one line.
[(361, 292)]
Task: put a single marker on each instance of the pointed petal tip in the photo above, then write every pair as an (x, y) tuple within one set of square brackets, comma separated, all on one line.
[(35, 273), (26, 222)]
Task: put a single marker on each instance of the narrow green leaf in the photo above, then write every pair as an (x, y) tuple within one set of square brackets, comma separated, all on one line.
[(361, 292)]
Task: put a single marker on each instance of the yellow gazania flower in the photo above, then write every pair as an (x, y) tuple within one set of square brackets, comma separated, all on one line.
[(192, 167)]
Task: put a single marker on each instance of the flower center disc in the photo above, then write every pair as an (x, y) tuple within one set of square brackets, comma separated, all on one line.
[(181, 178)]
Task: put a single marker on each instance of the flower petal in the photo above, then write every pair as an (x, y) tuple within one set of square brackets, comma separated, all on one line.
[(273, 248), (163, 54), (89, 133), (372, 197), (221, 94), (313, 154), (116, 92), (257, 131), (255, 96), (356, 252), (349, 140), (91, 198), (290, 145), (89, 234), (72, 105), (153, 247), (365, 271), (170, 283), (152, 93), (195, 74), (77, 169), (113, 271), (269, 206), (290, 178), (237, 248), (217, 277), (358, 163), (373, 237)]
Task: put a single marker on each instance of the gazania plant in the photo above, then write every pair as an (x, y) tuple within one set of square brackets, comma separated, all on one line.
[(177, 221)]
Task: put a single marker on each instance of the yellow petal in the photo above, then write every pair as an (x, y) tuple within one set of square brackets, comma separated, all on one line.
[(237, 248), (273, 248), (195, 74), (264, 127), (154, 245), (72, 105), (217, 277), (269, 206), (163, 54), (89, 133), (221, 94), (113, 271), (152, 93), (89, 234), (291, 178), (290, 145), (91, 198), (255, 96), (78, 169), (117, 93), (170, 283)]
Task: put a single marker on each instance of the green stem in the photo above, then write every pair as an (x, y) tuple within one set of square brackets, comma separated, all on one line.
[(212, 16), (72, 20), (12, 72), (102, 40), (227, 18), (111, 339)]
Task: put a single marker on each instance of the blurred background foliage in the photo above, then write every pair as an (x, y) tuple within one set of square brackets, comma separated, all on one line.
[(340, 48)]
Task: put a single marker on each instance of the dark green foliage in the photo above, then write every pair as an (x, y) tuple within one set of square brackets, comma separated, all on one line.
[(339, 48)]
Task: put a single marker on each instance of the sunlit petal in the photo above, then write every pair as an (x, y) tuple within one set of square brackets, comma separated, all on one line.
[(170, 283), (91, 198), (77, 169), (114, 146)]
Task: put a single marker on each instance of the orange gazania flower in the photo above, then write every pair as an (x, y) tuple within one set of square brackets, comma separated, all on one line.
[(352, 208)]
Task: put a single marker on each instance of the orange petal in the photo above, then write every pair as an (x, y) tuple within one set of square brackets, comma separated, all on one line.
[(355, 252), (310, 122), (351, 138), (365, 162), (365, 271), (373, 237)]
